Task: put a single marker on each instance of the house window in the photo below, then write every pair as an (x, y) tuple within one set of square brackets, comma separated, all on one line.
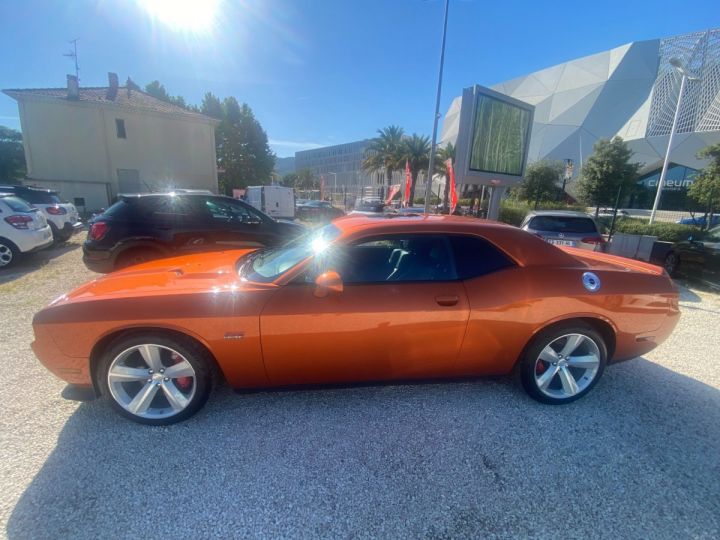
[(120, 128)]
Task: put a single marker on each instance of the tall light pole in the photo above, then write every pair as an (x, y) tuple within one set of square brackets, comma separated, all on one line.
[(677, 64), (431, 165)]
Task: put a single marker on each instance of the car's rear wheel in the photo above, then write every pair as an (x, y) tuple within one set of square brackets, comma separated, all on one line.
[(155, 379), (135, 256), (9, 254), (563, 363), (672, 263)]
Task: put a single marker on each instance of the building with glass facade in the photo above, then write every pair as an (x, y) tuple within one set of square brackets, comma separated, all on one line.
[(630, 91)]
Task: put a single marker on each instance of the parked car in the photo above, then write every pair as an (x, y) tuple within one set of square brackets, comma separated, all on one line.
[(23, 229), (138, 228), (61, 216), (360, 299), (370, 206), (700, 221), (700, 258), (319, 211), (564, 228)]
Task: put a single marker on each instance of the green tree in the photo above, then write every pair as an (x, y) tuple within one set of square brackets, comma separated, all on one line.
[(383, 154), (605, 172), (243, 151), (705, 190), (289, 180), (306, 180), (540, 182), (212, 106), (12, 155), (441, 156), (416, 150), (157, 90)]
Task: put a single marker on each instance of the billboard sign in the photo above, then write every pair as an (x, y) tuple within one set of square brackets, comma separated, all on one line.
[(493, 138)]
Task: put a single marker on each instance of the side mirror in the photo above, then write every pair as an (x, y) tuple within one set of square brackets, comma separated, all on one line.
[(329, 282)]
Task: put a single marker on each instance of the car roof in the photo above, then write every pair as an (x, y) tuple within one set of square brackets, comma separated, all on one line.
[(133, 196), (14, 187), (558, 213), (523, 247)]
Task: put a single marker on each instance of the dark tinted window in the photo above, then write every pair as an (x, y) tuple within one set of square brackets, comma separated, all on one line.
[(476, 257), (172, 207), (394, 258), (222, 209), (564, 224), (38, 197), (120, 128)]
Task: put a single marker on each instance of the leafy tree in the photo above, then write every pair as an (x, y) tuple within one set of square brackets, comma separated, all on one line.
[(606, 171), (306, 180), (157, 90), (212, 106), (289, 180), (441, 157), (416, 150), (540, 182), (705, 190), (384, 152), (12, 155), (243, 151)]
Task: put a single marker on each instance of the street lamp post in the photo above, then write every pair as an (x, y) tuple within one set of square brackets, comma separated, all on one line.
[(677, 64), (431, 165)]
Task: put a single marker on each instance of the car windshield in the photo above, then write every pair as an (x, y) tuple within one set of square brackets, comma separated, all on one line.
[(563, 224), (266, 265)]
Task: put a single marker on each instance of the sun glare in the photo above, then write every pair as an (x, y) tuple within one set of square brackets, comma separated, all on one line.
[(188, 15)]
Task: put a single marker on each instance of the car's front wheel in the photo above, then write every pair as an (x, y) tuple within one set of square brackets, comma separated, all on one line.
[(155, 379), (563, 363), (672, 263)]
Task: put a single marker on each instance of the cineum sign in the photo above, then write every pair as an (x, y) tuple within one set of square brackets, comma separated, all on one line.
[(493, 138)]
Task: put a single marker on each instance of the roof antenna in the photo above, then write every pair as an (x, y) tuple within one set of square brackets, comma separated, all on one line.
[(73, 54)]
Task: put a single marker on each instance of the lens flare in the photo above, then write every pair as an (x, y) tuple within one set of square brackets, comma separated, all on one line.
[(183, 15)]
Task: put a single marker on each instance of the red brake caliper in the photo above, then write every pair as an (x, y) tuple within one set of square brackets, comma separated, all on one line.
[(540, 367), (184, 383)]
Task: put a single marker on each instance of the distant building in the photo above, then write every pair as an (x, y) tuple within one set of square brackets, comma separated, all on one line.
[(630, 91), (90, 144)]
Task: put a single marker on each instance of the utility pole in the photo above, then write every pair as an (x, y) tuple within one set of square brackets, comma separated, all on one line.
[(73, 54), (431, 165)]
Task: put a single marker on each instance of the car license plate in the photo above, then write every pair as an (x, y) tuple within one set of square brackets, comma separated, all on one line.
[(558, 242)]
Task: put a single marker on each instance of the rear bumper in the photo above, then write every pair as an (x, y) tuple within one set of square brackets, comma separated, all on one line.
[(35, 240), (74, 228), (98, 261)]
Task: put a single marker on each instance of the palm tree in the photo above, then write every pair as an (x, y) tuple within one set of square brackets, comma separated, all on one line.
[(443, 154), (416, 150), (383, 152)]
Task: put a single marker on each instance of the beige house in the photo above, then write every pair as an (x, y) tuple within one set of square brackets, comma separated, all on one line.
[(90, 144)]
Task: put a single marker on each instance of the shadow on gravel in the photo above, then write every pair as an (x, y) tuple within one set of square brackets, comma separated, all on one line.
[(33, 261), (637, 457)]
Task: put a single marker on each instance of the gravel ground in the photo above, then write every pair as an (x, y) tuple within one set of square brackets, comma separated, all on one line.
[(638, 457)]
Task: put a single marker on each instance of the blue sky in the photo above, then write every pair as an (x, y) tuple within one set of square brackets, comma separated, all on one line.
[(320, 72)]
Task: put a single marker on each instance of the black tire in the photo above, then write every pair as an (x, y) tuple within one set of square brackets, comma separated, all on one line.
[(134, 256), (56, 234), (530, 359), (9, 254), (192, 351), (672, 264)]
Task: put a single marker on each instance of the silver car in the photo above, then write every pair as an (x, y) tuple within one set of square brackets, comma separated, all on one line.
[(565, 228)]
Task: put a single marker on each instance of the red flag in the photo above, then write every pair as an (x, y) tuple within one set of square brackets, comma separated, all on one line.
[(408, 183), (453, 190)]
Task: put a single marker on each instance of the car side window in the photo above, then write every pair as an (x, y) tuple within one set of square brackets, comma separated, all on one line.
[(394, 258), (172, 207), (224, 211), (476, 257)]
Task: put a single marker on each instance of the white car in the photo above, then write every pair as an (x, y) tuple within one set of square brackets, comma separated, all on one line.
[(62, 217), (22, 229)]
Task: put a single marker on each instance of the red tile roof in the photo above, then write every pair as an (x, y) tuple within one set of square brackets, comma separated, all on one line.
[(135, 100)]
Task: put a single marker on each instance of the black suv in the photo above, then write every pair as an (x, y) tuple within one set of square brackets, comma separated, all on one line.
[(138, 228)]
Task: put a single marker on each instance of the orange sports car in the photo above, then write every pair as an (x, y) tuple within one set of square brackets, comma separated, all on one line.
[(361, 299)]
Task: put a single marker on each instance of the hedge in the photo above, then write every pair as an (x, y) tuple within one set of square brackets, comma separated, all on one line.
[(666, 232)]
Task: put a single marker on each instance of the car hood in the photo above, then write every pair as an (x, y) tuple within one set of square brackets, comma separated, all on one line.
[(202, 272)]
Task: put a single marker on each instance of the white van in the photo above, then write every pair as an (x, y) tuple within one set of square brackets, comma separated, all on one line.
[(275, 201)]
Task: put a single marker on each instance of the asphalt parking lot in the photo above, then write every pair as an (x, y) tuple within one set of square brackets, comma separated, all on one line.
[(639, 457)]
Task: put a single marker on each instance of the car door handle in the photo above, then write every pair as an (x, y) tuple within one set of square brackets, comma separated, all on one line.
[(446, 300)]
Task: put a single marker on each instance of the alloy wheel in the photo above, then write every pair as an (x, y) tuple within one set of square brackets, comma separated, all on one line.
[(567, 365), (671, 263), (152, 381), (6, 255)]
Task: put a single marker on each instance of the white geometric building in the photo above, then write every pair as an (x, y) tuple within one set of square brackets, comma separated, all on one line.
[(630, 91)]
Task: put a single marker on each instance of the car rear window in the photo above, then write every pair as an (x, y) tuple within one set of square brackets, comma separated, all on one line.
[(39, 197), (564, 224), (16, 204)]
